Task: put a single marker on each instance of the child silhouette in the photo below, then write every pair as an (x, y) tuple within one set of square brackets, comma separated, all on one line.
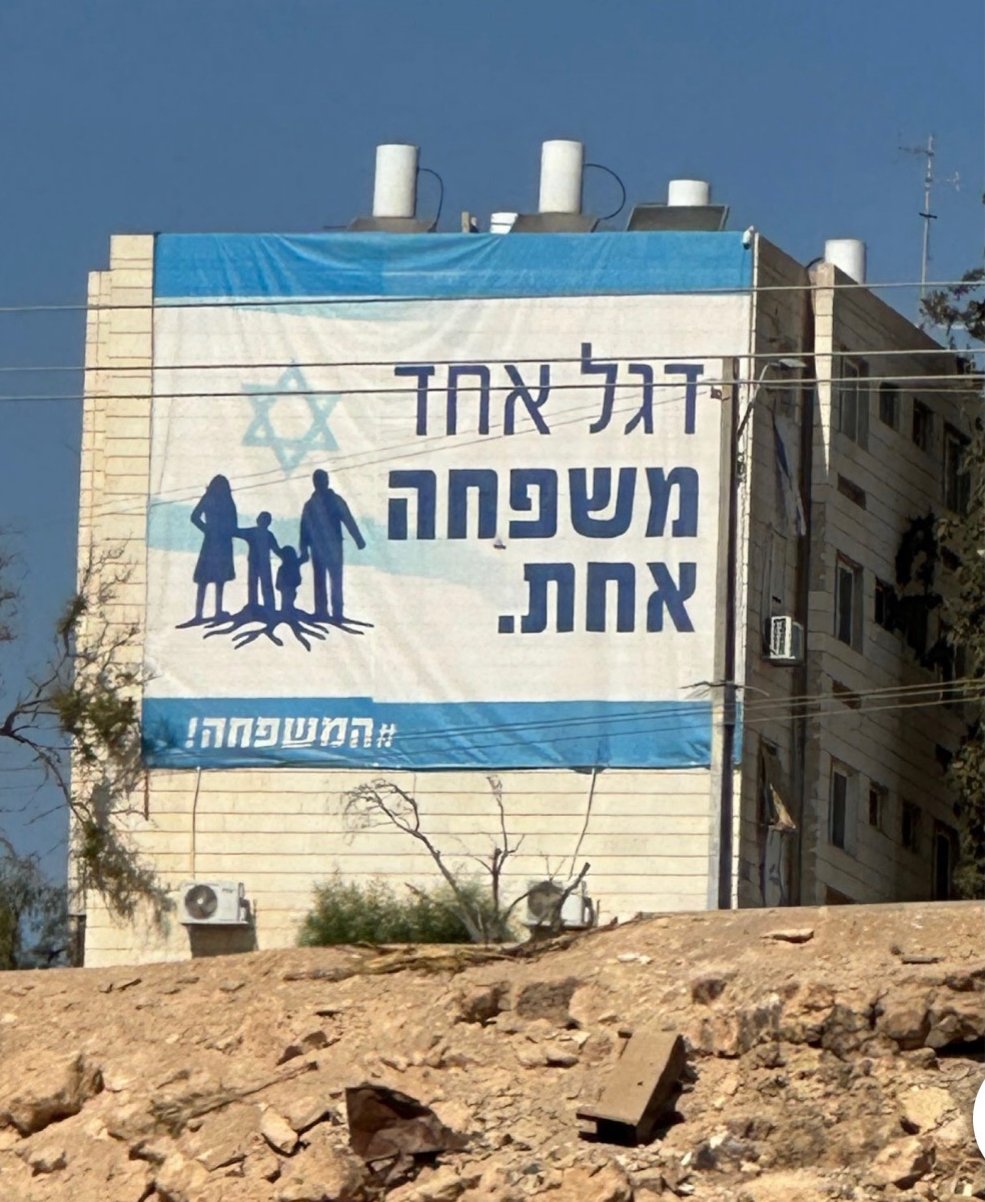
[(260, 542), (288, 579)]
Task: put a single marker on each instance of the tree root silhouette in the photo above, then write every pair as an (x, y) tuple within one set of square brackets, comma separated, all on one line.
[(251, 624)]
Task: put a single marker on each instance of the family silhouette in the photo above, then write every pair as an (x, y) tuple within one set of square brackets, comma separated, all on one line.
[(325, 520)]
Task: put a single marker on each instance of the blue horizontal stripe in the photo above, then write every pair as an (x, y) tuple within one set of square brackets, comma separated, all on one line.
[(341, 266), (478, 735)]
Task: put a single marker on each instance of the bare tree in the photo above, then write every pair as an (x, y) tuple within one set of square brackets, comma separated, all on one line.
[(78, 722), (382, 803)]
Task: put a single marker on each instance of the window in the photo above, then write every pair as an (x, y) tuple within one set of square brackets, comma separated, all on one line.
[(945, 854), (920, 627), (910, 826), (923, 425), (885, 605), (834, 897), (959, 664), (841, 809), (951, 664), (889, 404), (957, 481), (845, 695), (853, 402), (878, 806), (852, 491), (848, 602), (767, 770)]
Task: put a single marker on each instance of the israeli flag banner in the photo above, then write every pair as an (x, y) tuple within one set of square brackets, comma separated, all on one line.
[(448, 501)]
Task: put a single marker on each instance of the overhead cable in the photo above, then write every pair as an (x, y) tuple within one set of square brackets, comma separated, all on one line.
[(773, 356)]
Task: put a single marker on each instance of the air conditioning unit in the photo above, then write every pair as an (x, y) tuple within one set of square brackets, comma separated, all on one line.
[(577, 911), (786, 641), (213, 903)]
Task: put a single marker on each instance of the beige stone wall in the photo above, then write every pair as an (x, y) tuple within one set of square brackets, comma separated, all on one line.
[(646, 837), (895, 748), (115, 452), (651, 838)]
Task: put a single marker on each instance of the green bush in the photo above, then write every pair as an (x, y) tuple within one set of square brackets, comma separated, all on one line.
[(347, 912)]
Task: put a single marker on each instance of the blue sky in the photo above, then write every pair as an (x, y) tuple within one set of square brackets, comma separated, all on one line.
[(262, 115)]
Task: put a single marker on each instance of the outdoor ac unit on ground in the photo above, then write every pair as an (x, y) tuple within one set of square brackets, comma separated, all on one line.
[(577, 910), (213, 903), (786, 641)]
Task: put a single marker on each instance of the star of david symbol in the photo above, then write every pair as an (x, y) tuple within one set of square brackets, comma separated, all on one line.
[(262, 431)]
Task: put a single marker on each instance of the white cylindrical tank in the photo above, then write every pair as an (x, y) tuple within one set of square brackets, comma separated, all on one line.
[(501, 223), (849, 255), (688, 192), (395, 188), (561, 165)]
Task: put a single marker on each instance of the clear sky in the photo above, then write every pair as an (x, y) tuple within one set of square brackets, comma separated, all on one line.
[(262, 115)]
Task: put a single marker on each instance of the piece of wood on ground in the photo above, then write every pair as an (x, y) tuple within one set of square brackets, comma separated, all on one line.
[(640, 1090)]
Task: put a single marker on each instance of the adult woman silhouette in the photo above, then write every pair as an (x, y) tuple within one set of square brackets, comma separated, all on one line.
[(215, 516)]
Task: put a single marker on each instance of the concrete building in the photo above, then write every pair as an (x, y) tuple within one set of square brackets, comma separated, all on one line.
[(841, 424)]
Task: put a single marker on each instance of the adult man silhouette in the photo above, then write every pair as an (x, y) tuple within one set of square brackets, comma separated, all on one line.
[(323, 517)]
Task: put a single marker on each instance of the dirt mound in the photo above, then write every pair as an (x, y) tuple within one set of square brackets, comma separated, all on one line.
[(830, 1054)]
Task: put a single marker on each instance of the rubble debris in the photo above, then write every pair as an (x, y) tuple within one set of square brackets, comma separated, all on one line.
[(640, 1091), (801, 1069), (311, 1041), (922, 1110), (278, 1132), (57, 1089), (710, 985), (482, 1005), (395, 1134), (903, 1162), (547, 999)]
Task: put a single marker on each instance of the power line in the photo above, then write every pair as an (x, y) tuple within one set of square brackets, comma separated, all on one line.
[(667, 721), (417, 447), (970, 384), (396, 452), (842, 710), (968, 689), (513, 359), (669, 725)]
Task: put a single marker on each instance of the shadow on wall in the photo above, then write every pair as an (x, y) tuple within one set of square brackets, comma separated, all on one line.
[(222, 940)]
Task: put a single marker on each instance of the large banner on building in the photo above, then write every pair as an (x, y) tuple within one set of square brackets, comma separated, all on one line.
[(429, 502)]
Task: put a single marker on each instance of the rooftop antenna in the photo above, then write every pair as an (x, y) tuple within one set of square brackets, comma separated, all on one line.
[(929, 154)]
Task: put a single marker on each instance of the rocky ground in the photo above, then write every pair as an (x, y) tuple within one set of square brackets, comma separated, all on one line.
[(831, 1054)]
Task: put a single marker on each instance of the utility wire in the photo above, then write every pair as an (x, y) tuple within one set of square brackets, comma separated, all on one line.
[(774, 356), (784, 707), (622, 188), (669, 724), (962, 383), (395, 453), (419, 446), (671, 718)]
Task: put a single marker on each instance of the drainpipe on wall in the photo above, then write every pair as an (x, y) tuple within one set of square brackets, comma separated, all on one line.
[(193, 850), (727, 808), (802, 589)]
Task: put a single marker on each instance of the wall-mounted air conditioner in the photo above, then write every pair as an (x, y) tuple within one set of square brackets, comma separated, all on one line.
[(543, 898), (213, 903), (786, 641)]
